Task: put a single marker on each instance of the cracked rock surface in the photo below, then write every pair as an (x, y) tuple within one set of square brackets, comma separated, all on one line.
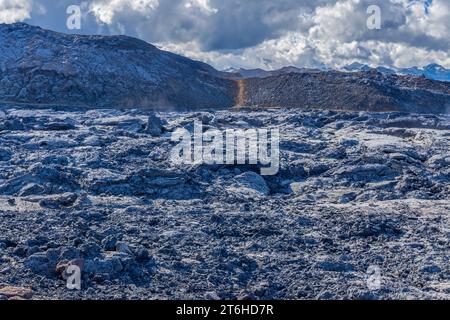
[(97, 189)]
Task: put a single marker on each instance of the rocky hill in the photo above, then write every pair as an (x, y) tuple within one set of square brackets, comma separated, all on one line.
[(41, 67), (360, 91)]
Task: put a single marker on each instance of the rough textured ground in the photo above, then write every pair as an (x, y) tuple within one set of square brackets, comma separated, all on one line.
[(354, 190)]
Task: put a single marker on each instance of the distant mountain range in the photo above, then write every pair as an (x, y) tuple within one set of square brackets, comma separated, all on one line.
[(260, 73), (42, 67), (432, 71)]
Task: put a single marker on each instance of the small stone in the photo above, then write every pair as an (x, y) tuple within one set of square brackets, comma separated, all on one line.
[(62, 266), (431, 269), (142, 255), (297, 188), (31, 189), (60, 126), (20, 251), (90, 250), (59, 160), (56, 202), (38, 263), (5, 155), (154, 125), (110, 266), (32, 250), (348, 143), (249, 185), (70, 253), (38, 241), (246, 296), (326, 295), (8, 243), (109, 243), (77, 242), (335, 266), (5, 270), (16, 298), (348, 197), (212, 296), (122, 247), (68, 199), (11, 292), (261, 289)]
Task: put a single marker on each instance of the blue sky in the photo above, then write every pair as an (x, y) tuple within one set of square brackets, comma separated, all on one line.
[(262, 33)]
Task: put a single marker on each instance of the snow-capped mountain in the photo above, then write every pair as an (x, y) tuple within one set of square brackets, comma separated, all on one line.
[(432, 71), (356, 67)]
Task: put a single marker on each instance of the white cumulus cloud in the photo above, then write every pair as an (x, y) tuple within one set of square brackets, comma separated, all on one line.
[(15, 10), (107, 10), (203, 5)]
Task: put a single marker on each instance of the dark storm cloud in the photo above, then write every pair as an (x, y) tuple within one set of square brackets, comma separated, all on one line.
[(243, 24), (233, 24)]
